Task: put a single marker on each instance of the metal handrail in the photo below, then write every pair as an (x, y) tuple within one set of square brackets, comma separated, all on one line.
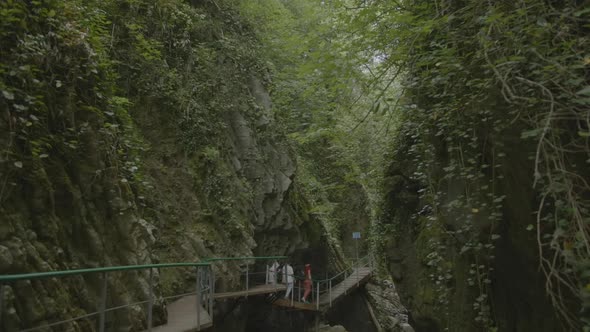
[(60, 322), (216, 259), (317, 284), (40, 275), (4, 279), (361, 262), (367, 257), (103, 271), (315, 295)]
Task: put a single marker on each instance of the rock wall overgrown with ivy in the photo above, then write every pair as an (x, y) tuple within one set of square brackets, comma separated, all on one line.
[(135, 132), (487, 203)]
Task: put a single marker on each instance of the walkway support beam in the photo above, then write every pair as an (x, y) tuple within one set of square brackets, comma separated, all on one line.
[(292, 290), (1, 301), (247, 281), (318, 297), (330, 292), (198, 298), (150, 301), (211, 290), (103, 303)]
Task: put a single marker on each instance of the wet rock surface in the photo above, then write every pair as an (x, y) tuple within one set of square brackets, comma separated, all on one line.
[(335, 328), (387, 307)]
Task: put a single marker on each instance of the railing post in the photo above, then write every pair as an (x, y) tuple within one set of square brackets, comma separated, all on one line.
[(330, 292), (205, 282), (211, 290), (318, 297), (357, 269), (317, 322), (299, 291), (198, 298), (267, 273), (1, 302), (275, 280), (247, 281), (103, 303), (292, 290), (150, 301), (345, 277)]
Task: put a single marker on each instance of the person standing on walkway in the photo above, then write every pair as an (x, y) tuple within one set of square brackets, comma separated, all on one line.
[(306, 283), (283, 270), (289, 278), (272, 273)]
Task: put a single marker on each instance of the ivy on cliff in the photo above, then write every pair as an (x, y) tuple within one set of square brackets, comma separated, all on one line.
[(322, 97), (74, 69), (58, 86), (496, 93)]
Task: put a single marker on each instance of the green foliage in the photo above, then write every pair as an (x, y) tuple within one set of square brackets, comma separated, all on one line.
[(57, 88), (319, 96), (74, 84), (490, 87)]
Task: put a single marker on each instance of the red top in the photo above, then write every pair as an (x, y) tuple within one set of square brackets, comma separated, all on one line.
[(308, 271)]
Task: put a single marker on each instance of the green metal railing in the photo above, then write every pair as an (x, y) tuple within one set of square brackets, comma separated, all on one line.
[(205, 287), (205, 262), (218, 259), (102, 310), (352, 270), (248, 274), (41, 275), (323, 286)]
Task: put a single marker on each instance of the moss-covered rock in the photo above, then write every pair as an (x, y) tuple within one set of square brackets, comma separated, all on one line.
[(141, 133)]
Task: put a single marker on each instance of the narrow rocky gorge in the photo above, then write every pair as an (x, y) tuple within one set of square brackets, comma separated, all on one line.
[(445, 145), (126, 185)]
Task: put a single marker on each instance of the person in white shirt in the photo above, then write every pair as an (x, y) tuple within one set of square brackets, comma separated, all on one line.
[(284, 273), (272, 273), (289, 278)]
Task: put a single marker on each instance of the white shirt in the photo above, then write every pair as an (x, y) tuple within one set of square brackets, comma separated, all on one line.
[(273, 267), (288, 270)]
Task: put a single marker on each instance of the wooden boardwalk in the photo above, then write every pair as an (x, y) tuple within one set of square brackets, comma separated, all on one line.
[(353, 281), (282, 302), (350, 283), (182, 316), (257, 290), (182, 312)]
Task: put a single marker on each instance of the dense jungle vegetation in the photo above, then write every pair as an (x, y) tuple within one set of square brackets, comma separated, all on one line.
[(454, 134)]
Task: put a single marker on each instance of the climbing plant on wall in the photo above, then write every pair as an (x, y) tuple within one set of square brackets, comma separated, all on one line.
[(495, 92), (320, 95)]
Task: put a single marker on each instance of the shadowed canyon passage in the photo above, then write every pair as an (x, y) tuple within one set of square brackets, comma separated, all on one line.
[(155, 154)]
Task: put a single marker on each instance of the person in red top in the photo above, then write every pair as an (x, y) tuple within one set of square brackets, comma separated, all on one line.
[(307, 283)]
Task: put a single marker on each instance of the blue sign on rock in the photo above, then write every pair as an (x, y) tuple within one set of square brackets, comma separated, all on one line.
[(356, 235)]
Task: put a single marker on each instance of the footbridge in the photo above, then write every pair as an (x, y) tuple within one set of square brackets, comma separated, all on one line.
[(185, 311)]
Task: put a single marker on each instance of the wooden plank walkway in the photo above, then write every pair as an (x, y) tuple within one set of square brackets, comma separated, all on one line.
[(282, 302), (256, 290), (182, 316), (338, 290), (182, 313), (350, 283)]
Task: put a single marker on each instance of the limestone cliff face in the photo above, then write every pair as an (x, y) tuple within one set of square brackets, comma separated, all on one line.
[(447, 271), (188, 165), (387, 306)]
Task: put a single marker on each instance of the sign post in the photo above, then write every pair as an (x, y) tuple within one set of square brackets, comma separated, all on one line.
[(356, 236)]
